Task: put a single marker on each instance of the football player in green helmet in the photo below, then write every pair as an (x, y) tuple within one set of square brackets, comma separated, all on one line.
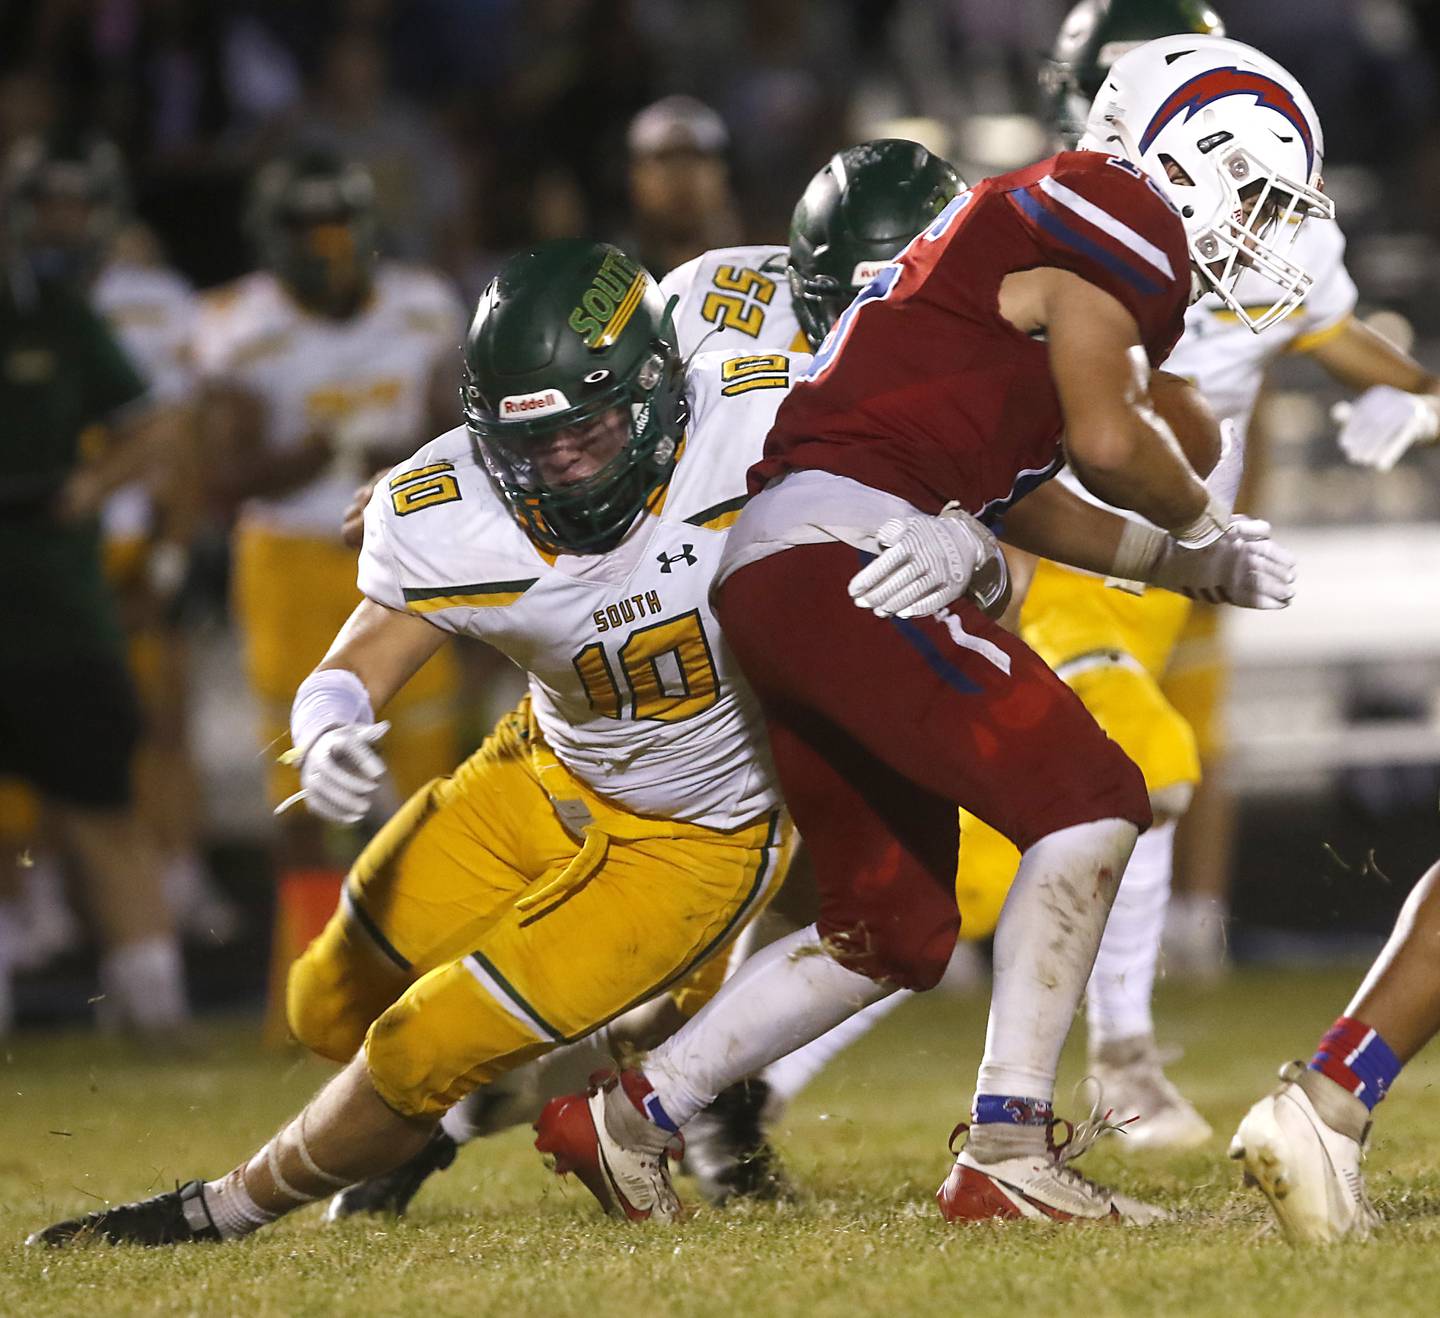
[(312, 217), (1094, 35), (855, 216), (500, 912), (573, 392), (65, 197)]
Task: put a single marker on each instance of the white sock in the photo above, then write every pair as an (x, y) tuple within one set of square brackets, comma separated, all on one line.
[(781, 998), (1117, 1004), (1045, 945), (231, 1209), (792, 1073), (142, 985)]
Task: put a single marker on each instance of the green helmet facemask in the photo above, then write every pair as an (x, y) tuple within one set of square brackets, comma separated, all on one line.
[(1093, 36), (855, 217), (574, 392)]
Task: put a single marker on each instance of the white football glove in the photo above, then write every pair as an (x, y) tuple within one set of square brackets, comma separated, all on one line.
[(1377, 428), (340, 772), (926, 563), (1243, 567)]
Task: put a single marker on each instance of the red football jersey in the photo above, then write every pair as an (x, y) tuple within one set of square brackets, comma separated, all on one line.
[(922, 389)]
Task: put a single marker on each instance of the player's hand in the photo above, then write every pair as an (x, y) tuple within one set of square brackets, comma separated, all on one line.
[(925, 564), (1377, 428), (1244, 567), (340, 772), (352, 529)]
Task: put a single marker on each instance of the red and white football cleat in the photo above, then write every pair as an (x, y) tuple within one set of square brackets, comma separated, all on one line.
[(605, 1138), (1040, 1184)]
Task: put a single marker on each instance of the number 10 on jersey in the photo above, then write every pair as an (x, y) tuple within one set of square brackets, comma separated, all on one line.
[(667, 667)]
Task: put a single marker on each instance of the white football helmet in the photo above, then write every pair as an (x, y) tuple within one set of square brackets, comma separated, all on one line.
[(1233, 141)]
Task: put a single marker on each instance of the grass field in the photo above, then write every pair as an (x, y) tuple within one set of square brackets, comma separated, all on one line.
[(498, 1235)]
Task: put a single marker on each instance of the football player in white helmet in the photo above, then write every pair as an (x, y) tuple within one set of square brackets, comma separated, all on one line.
[(1236, 146)]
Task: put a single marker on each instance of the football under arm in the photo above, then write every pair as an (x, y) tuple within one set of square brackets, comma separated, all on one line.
[(1119, 446), (383, 647)]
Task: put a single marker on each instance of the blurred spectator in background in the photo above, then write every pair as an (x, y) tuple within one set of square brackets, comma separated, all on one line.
[(75, 425), (680, 199)]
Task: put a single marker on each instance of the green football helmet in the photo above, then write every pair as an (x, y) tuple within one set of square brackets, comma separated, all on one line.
[(65, 199), (1094, 35), (855, 217), (574, 392), (312, 217)]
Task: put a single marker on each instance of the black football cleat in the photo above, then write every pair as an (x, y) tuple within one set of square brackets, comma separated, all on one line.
[(165, 1219), (390, 1195), (727, 1151)]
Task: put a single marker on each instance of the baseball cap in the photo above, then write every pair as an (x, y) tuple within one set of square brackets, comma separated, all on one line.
[(677, 123)]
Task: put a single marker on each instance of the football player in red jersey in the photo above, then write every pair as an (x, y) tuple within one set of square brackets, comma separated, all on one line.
[(1034, 307)]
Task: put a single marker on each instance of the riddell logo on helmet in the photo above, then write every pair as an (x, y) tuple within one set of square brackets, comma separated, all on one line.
[(542, 403), (865, 271)]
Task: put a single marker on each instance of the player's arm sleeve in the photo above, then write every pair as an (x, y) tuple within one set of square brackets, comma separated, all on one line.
[(378, 575), (1102, 219), (1332, 297)]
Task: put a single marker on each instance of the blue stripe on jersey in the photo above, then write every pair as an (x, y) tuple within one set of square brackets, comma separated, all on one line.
[(1049, 221), (1024, 483)]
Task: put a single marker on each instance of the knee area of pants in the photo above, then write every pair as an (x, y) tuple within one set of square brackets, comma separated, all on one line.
[(904, 963), (402, 1066), (319, 1014)]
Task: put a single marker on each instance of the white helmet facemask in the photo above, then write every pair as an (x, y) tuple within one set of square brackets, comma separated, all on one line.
[(1233, 142)]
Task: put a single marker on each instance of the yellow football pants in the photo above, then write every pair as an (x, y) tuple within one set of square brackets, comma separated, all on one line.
[(1111, 648), (478, 931), (1197, 679), (292, 594)]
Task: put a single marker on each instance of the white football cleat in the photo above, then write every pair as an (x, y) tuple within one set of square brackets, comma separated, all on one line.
[(1302, 1144), (1136, 1086)]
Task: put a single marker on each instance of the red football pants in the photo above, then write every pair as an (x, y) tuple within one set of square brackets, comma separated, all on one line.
[(881, 728)]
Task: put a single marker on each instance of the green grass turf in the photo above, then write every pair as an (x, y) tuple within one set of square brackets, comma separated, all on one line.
[(82, 1121)]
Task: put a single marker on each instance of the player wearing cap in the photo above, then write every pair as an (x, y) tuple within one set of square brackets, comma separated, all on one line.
[(679, 183)]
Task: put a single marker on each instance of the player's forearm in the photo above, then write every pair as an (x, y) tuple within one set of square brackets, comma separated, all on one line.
[(1139, 466), (262, 473), (383, 648), (1053, 523)]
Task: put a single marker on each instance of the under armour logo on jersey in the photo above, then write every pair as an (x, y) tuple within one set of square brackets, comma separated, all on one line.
[(686, 556)]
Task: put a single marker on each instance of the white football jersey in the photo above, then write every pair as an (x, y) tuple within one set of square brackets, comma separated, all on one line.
[(365, 378), (152, 311), (1227, 361), (734, 299), (632, 683)]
